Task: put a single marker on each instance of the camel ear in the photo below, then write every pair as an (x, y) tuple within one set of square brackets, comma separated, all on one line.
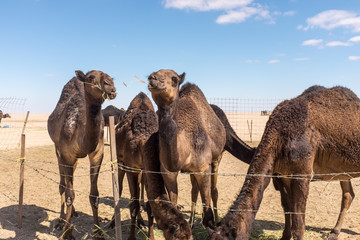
[(80, 75), (182, 78)]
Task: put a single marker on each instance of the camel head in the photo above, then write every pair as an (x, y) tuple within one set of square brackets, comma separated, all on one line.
[(98, 85), (164, 86), (6, 115)]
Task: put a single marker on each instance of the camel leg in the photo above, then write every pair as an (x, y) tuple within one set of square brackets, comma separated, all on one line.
[(148, 210), (62, 186), (194, 196), (347, 197), (134, 205), (299, 194), (282, 185), (150, 222), (204, 184), (214, 190), (69, 199), (140, 220), (95, 164), (170, 181)]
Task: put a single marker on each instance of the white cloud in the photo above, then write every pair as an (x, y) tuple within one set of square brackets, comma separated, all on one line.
[(289, 13), (206, 5), (337, 43), (354, 58), (312, 42), (234, 11), (274, 61), (50, 75), (301, 59), (242, 14), (355, 39), (331, 19)]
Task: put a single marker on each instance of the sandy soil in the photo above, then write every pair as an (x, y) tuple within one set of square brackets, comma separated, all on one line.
[(42, 200)]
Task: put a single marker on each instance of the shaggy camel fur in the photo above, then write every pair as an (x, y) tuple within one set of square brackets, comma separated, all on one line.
[(137, 125), (167, 216), (313, 136), (233, 145), (112, 111), (2, 115), (191, 136), (76, 126)]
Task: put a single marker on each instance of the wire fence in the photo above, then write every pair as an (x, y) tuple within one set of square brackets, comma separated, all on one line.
[(248, 117), (43, 178)]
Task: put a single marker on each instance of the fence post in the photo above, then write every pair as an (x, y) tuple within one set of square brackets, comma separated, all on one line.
[(250, 129), (22, 159), (21, 190), (115, 179)]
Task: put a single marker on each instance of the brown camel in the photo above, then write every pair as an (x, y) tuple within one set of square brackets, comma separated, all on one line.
[(167, 216), (112, 111), (314, 136), (2, 115), (137, 125), (191, 136), (233, 145), (76, 126)]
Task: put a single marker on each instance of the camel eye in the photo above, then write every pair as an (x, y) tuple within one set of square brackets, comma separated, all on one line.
[(175, 80), (107, 82)]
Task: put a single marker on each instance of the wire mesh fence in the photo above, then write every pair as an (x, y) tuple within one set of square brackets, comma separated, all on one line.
[(248, 117)]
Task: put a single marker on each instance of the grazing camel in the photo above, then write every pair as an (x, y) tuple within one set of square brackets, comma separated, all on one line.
[(2, 115), (112, 111), (235, 146), (76, 126), (167, 216), (191, 136), (314, 136), (137, 125)]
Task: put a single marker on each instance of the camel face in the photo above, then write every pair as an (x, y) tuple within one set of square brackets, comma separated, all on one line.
[(98, 84), (164, 86)]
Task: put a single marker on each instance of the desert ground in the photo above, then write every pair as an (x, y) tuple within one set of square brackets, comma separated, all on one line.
[(42, 200)]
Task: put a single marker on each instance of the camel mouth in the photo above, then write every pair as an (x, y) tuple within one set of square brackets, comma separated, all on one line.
[(154, 86), (111, 95)]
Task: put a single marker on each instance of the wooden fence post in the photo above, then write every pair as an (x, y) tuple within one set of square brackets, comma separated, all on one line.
[(115, 179), (22, 159), (250, 129)]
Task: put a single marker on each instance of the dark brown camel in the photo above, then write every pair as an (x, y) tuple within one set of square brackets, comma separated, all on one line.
[(137, 125), (76, 126), (314, 136), (112, 111), (233, 145), (2, 115), (167, 216), (191, 136)]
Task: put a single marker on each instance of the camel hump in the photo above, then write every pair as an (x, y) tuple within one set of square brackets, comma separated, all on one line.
[(70, 105), (313, 90), (191, 89)]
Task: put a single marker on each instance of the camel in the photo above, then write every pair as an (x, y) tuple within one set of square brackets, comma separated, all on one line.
[(112, 111), (236, 147), (76, 127), (167, 216), (137, 125), (2, 115), (191, 136), (314, 136)]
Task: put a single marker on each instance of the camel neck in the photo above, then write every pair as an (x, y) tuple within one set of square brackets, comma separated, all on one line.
[(167, 110)]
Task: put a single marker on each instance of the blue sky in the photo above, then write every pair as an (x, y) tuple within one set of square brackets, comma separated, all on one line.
[(229, 48)]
